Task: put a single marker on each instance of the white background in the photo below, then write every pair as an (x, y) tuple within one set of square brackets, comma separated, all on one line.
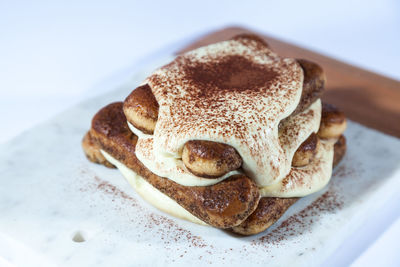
[(56, 53)]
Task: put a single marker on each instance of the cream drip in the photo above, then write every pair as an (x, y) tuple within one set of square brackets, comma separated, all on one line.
[(306, 180)]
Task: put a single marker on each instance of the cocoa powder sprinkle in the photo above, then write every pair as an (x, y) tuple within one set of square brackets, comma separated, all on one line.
[(169, 232), (233, 92)]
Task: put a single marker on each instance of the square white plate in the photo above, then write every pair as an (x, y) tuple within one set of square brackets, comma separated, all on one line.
[(49, 192)]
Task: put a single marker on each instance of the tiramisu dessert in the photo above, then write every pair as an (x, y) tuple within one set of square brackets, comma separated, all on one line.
[(228, 135)]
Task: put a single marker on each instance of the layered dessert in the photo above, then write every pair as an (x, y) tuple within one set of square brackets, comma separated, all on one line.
[(228, 135)]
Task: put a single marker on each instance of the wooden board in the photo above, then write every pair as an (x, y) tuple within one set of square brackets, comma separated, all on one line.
[(366, 97)]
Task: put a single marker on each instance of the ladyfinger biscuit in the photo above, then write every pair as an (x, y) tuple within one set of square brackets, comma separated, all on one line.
[(92, 151), (270, 209), (141, 109), (306, 152), (221, 205), (210, 159), (333, 122)]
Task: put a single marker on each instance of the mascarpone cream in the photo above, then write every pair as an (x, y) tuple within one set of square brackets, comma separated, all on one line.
[(151, 194), (232, 92)]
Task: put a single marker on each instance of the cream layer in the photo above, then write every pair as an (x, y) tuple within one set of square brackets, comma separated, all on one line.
[(151, 194)]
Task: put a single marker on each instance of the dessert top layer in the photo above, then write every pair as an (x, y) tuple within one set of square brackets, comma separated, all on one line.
[(234, 92)]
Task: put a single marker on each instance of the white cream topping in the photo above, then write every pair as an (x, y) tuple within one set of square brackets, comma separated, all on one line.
[(250, 126), (151, 194)]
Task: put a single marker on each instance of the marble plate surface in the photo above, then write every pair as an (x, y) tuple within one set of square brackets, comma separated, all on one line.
[(58, 209)]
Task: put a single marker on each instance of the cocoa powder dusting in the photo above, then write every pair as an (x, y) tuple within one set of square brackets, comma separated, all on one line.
[(231, 73), (170, 231), (344, 170), (233, 92), (302, 222), (112, 190)]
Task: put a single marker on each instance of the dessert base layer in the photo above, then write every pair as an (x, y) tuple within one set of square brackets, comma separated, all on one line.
[(50, 194)]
